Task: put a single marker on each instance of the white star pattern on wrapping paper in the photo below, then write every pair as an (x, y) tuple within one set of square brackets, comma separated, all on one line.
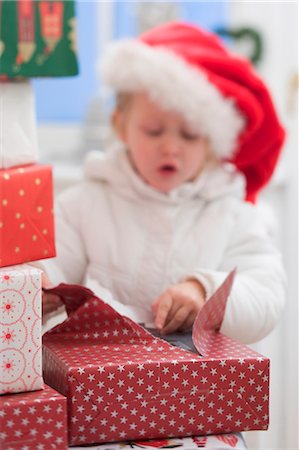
[(48, 435), (176, 391), (25, 422)]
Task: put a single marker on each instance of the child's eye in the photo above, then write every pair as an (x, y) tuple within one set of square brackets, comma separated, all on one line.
[(154, 131), (189, 136)]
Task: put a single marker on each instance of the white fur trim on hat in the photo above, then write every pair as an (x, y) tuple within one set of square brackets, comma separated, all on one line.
[(131, 66)]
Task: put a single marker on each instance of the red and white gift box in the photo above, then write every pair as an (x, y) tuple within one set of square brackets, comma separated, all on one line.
[(213, 442), (20, 329), (26, 214), (33, 421), (123, 384), (18, 137)]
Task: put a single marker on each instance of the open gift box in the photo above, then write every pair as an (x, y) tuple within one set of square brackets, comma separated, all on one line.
[(122, 383)]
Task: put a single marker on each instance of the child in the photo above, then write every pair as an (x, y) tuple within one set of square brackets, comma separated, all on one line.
[(161, 218)]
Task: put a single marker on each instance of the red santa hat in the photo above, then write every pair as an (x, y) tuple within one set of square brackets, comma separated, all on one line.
[(189, 70)]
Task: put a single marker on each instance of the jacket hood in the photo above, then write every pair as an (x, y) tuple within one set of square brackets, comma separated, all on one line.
[(113, 167)]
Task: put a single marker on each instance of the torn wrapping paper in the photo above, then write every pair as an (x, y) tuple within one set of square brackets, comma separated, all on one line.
[(122, 383), (20, 329), (18, 137), (26, 214), (33, 421)]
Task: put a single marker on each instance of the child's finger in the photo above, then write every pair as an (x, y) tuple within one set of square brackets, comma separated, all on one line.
[(155, 306), (188, 323), (46, 283), (163, 306), (176, 322), (51, 306), (50, 302)]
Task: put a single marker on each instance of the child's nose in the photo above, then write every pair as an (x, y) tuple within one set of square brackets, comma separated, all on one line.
[(170, 145)]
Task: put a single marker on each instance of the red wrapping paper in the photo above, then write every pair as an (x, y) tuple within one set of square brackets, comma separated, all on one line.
[(124, 384), (26, 214), (33, 421)]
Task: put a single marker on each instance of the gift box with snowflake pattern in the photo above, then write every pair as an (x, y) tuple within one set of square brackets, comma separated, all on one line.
[(122, 383), (20, 329)]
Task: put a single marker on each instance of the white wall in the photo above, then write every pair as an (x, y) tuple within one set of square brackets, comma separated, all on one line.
[(278, 23)]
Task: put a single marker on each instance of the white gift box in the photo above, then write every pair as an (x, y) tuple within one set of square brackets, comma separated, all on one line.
[(213, 442), (18, 133), (20, 329)]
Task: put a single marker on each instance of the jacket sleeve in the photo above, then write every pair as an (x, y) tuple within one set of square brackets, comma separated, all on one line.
[(258, 295)]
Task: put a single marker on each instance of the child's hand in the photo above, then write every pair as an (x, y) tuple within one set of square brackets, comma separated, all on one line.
[(177, 307), (50, 302)]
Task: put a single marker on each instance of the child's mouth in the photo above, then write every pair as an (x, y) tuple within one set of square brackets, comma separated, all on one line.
[(167, 169)]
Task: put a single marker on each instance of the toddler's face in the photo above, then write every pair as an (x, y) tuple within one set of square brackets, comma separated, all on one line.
[(162, 147)]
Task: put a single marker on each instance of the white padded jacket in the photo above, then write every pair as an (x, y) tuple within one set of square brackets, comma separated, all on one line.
[(129, 242)]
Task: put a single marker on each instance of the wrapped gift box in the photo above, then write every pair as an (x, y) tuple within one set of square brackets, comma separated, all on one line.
[(122, 383), (37, 38), (18, 138), (215, 442), (26, 214), (20, 328), (33, 421)]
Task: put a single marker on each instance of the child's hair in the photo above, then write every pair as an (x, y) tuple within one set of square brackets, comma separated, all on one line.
[(122, 100)]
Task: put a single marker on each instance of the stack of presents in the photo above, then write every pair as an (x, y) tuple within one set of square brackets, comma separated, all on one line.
[(98, 377)]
